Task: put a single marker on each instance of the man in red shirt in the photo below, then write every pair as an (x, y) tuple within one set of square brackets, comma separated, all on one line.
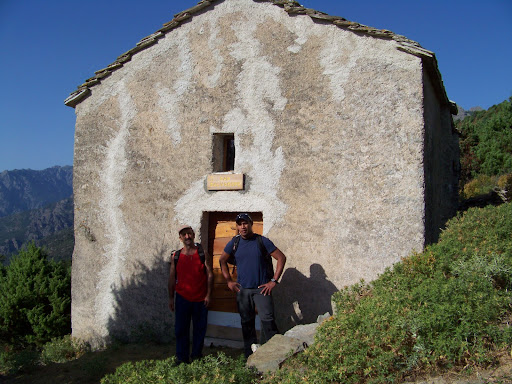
[(190, 289)]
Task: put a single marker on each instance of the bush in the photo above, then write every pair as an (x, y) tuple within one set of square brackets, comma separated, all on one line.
[(486, 142), (481, 185), (439, 309), (211, 369), (63, 349), (35, 299)]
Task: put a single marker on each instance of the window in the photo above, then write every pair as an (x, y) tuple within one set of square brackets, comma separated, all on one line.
[(223, 152)]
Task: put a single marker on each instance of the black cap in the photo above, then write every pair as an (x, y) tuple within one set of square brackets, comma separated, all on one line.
[(243, 216)]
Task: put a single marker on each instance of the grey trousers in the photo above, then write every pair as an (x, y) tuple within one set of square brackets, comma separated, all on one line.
[(248, 301)]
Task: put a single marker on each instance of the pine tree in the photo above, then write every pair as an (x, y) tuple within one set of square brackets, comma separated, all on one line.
[(35, 298)]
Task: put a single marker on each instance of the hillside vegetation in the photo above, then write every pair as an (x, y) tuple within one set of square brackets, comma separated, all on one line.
[(486, 143)]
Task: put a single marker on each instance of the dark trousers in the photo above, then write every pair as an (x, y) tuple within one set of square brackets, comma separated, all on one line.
[(248, 300), (185, 312)]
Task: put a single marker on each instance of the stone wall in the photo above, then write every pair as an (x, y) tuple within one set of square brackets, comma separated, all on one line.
[(329, 131)]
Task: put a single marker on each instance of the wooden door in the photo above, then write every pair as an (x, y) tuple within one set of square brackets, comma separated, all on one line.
[(221, 229)]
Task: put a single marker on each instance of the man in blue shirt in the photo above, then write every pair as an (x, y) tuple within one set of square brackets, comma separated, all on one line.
[(256, 279)]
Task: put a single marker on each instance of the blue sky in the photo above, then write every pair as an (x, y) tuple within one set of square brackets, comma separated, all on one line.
[(49, 47)]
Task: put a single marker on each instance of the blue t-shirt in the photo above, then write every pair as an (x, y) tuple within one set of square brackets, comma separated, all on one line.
[(250, 263)]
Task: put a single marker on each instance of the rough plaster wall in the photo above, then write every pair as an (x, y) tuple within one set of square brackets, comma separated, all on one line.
[(127, 237), (355, 166), (329, 132), (441, 163)]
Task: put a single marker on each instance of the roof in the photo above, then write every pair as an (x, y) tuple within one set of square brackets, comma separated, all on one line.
[(292, 8)]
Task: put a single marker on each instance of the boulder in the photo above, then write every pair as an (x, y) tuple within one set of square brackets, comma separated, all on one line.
[(270, 356)]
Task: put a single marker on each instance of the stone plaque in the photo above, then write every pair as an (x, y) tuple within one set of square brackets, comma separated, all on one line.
[(225, 182)]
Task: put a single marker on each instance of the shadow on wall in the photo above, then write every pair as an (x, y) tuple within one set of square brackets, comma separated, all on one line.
[(302, 299), (142, 313)]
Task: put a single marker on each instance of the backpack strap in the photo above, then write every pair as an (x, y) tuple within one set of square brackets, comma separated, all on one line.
[(236, 240), (202, 257), (266, 257), (176, 257), (200, 250)]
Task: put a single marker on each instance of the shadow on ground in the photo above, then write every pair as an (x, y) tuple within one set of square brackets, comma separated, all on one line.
[(91, 367)]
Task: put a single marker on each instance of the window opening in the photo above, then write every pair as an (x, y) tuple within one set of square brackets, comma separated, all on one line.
[(223, 152)]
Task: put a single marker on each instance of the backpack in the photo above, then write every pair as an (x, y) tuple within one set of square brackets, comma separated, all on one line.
[(177, 253), (266, 256)]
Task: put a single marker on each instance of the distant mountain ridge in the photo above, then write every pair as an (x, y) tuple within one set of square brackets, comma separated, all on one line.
[(52, 224), (462, 113), (37, 206), (26, 189)]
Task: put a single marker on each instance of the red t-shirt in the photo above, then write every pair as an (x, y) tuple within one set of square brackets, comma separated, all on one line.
[(191, 281)]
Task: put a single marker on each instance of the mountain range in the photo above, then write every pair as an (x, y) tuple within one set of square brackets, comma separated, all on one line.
[(462, 113), (37, 206)]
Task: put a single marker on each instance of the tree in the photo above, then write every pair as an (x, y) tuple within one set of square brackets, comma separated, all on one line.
[(35, 298), (486, 142)]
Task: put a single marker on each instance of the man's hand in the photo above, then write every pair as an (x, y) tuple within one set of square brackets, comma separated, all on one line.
[(171, 304), (267, 288), (207, 301), (234, 286)]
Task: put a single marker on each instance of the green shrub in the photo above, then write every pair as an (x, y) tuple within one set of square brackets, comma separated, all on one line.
[(35, 299), (480, 185), (60, 350), (486, 142), (211, 369), (439, 309), (505, 181)]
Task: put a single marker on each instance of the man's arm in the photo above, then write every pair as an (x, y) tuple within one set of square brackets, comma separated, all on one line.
[(281, 261), (208, 262), (223, 261), (171, 285)]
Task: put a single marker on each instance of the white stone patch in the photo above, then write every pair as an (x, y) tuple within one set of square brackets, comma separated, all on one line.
[(234, 120), (213, 43), (169, 100), (111, 179), (336, 63), (302, 28), (297, 310), (294, 48)]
